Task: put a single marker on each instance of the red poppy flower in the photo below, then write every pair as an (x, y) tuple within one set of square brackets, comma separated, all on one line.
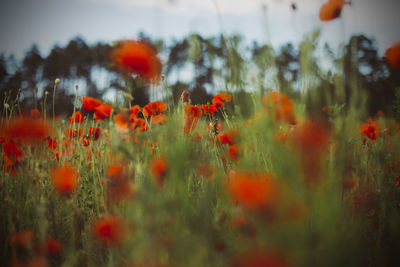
[(370, 130), (52, 247), (11, 151), (52, 144), (102, 112), (11, 155), (159, 168), (77, 117), (85, 141), (233, 152), (138, 123), (94, 133), (253, 190), (331, 10), (90, 103), (115, 171), (209, 109), (134, 111), (26, 130), (138, 57), (223, 97), (121, 123), (110, 231), (393, 55), (73, 133), (65, 179), (159, 119), (230, 137), (154, 108), (185, 97), (192, 114)]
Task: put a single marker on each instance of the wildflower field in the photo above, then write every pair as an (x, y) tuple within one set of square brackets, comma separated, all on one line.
[(269, 178)]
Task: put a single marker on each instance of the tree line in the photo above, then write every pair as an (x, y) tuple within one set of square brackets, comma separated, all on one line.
[(203, 66)]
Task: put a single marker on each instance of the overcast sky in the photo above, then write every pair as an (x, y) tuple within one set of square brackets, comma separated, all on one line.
[(49, 22)]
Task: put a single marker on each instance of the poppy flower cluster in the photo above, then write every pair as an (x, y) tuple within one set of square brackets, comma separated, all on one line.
[(12, 155), (231, 138), (128, 119), (216, 103), (369, 130), (156, 110), (101, 110)]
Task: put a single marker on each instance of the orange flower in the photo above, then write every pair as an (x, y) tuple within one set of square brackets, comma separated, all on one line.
[(65, 179), (253, 190), (159, 168), (393, 55), (26, 130), (77, 117), (115, 171), (222, 97), (110, 231), (90, 103), (331, 10), (35, 113), (138, 57), (281, 105), (154, 108), (102, 112), (134, 111)]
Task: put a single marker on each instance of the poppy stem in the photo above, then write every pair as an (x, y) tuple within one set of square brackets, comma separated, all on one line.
[(57, 81)]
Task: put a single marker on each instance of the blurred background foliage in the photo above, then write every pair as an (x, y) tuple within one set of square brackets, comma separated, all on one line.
[(204, 66)]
